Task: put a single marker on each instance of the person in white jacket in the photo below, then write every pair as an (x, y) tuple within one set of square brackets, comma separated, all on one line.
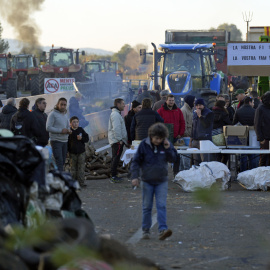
[(117, 135)]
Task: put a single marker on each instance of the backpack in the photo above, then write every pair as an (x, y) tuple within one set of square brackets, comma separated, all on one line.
[(18, 127)]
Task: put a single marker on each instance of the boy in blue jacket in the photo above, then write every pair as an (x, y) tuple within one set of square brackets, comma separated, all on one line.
[(152, 158)]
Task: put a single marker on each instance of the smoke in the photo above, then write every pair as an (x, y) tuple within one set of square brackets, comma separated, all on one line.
[(18, 13)]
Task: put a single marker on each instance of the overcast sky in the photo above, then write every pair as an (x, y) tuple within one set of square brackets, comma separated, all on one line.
[(109, 24)]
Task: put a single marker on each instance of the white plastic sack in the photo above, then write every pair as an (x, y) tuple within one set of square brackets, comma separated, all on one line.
[(258, 178), (203, 176)]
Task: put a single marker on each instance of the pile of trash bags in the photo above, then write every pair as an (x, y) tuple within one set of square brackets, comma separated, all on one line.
[(42, 223), (255, 179), (204, 176), (26, 186)]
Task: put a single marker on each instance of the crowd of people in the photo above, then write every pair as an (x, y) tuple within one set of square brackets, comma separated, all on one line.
[(153, 123), (62, 129), (158, 124), (193, 120)]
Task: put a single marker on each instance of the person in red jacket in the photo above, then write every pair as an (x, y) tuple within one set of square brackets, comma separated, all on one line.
[(173, 115)]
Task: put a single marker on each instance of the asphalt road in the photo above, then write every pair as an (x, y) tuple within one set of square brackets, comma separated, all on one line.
[(234, 234)]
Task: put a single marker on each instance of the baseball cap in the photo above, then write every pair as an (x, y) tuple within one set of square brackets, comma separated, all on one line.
[(239, 91)]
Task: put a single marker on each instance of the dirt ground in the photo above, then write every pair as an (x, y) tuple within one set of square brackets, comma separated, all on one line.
[(234, 234)]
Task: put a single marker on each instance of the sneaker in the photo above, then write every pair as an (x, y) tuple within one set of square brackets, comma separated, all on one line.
[(83, 185), (116, 179), (146, 235), (164, 234)]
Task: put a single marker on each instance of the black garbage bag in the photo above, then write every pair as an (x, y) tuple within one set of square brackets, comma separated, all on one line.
[(20, 165), (66, 177), (26, 159), (13, 199)]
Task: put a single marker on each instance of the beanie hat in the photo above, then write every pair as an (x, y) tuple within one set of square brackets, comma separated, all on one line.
[(135, 104), (199, 101), (189, 99)]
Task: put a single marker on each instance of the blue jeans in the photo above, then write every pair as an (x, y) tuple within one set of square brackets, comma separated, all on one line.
[(59, 150), (249, 162), (160, 191)]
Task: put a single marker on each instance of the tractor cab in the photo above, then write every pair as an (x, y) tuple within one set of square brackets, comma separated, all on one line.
[(23, 62), (186, 68), (61, 57)]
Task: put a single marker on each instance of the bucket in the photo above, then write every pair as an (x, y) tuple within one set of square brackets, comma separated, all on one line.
[(186, 140)]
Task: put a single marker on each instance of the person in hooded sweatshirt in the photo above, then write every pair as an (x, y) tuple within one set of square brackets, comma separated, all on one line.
[(136, 107), (25, 121), (58, 126), (7, 113)]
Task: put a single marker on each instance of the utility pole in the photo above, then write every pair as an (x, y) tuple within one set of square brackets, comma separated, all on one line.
[(247, 18)]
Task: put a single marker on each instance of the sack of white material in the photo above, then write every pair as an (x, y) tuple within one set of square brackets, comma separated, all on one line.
[(258, 178), (203, 176)]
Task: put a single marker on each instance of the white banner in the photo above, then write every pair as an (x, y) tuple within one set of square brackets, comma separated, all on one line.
[(248, 54), (56, 85)]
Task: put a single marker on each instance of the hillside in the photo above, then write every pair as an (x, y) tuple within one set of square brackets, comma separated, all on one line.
[(15, 47)]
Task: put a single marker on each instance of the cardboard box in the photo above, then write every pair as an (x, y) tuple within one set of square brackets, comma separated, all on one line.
[(236, 135)]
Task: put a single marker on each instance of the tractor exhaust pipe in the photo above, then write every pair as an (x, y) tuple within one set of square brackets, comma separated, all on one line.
[(155, 65)]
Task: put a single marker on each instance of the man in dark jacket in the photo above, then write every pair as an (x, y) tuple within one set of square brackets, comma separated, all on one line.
[(75, 110), (202, 126), (152, 159), (7, 113), (254, 96), (245, 115), (229, 107), (136, 107), (41, 116), (160, 103), (143, 120), (240, 96), (145, 94), (262, 124), (23, 122)]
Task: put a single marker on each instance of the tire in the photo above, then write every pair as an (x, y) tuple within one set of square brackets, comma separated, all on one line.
[(11, 90), (78, 76), (9, 261), (42, 77), (71, 232), (34, 85)]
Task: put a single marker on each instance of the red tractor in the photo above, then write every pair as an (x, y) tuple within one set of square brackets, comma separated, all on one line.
[(61, 64), (5, 72), (25, 75)]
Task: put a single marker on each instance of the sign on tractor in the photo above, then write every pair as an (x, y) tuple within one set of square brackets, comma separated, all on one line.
[(56, 85)]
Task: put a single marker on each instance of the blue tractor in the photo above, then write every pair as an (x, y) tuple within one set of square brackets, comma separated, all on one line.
[(186, 69)]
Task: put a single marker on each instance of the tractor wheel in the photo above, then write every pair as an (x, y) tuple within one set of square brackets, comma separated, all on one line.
[(78, 76), (42, 77), (11, 90), (34, 85)]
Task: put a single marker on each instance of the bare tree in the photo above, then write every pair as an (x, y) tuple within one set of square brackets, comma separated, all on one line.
[(3, 44)]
